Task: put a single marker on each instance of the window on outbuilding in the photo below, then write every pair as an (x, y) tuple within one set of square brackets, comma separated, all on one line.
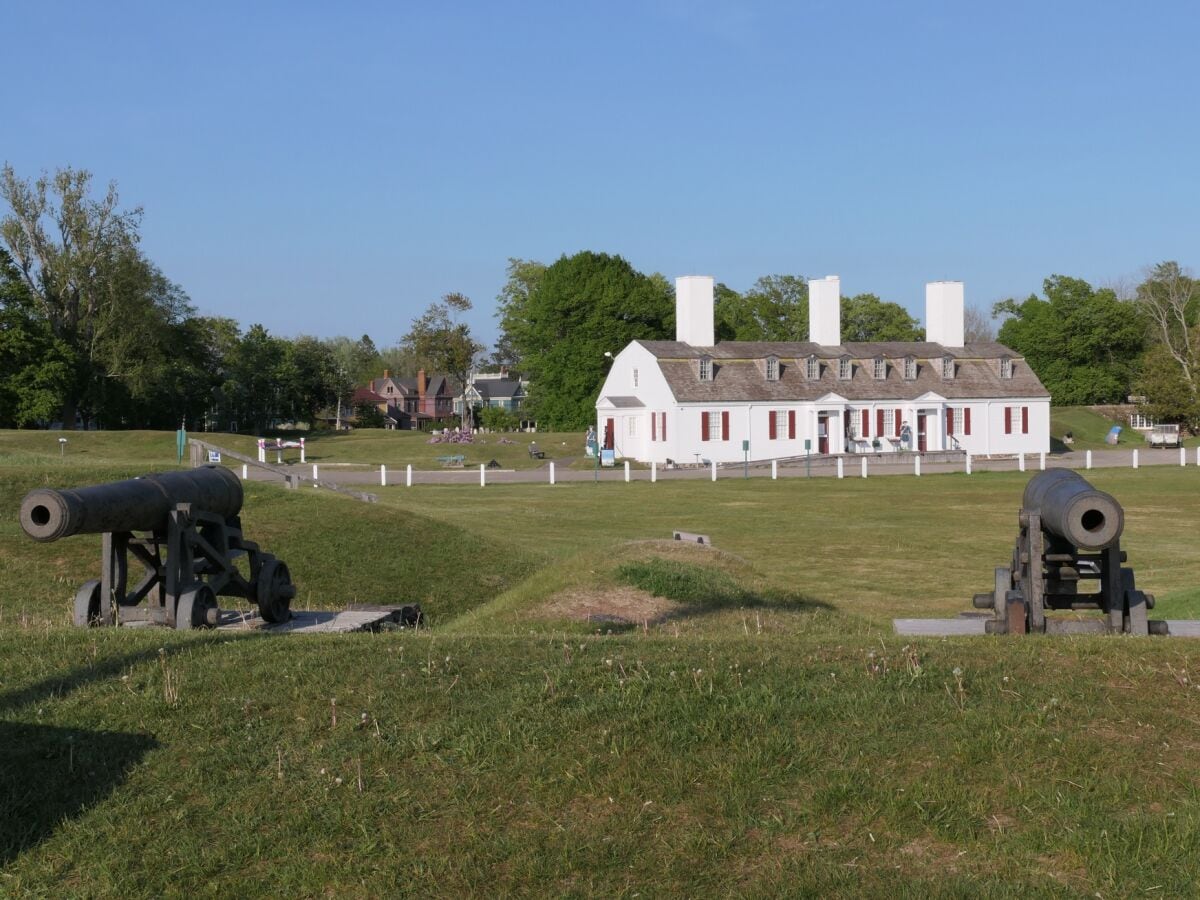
[(947, 367), (705, 369), (845, 369), (772, 368), (880, 368), (635, 378), (812, 368), (1006, 368), (910, 368)]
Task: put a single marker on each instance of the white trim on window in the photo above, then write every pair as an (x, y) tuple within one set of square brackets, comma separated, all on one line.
[(880, 368), (845, 368)]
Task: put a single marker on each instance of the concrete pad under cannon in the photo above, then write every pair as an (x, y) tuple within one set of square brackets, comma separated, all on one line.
[(310, 621), (941, 627)]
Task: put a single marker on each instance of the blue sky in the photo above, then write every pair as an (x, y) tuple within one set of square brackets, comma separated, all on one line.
[(332, 168)]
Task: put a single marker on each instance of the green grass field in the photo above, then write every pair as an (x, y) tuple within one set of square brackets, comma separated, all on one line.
[(366, 447), (597, 711)]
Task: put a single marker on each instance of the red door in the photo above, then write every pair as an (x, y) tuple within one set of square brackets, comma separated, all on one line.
[(921, 431), (608, 434)]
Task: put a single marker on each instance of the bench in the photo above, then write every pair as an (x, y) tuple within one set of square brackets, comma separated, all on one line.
[(454, 460), (536, 452)]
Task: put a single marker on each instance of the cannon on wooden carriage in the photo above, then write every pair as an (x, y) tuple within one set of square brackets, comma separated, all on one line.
[(1070, 535), (184, 529)]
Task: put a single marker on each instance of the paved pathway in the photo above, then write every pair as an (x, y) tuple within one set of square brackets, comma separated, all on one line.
[(363, 478)]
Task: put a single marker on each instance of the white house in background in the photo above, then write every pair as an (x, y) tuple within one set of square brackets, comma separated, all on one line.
[(692, 399)]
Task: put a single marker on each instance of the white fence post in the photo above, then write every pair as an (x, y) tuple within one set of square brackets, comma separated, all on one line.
[(864, 467), (1198, 456), (552, 472), (383, 476), (714, 469), (1042, 460), (262, 450), (626, 471), (967, 459), (917, 465), (841, 468), (482, 476), (245, 471), (653, 472), (302, 459), (775, 466), (1089, 459), (1020, 462), (408, 475), (1135, 459), (1182, 457), (315, 475)]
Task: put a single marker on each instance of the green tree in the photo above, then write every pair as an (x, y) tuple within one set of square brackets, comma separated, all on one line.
[(523, 277), (867, 318), (1170, 380), (1084, 344), (78, 256), (446, 343), (252, 389), (775, 308), (584, 306), (35, 367)]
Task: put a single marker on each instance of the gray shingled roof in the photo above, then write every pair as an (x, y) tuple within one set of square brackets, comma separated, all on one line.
[(739, 374)]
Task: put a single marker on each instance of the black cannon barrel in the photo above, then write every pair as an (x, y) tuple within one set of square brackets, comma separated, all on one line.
[(1074, 510), (139, 504)]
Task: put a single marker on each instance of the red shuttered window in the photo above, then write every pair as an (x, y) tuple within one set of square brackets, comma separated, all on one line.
[(1008, 420), (879, 423), (866, 417), (949, 420), (704, 426), (967, 420), (662, 425), (791, 424), (654, 426), (1024, 420), (897, 423), (771, 432), (725, 425)]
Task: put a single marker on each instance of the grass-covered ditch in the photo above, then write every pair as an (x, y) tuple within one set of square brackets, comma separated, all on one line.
[(597, 710)]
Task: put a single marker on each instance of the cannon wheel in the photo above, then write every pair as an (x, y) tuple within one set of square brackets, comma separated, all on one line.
[(274, 591), (193, 608), (87, 604)]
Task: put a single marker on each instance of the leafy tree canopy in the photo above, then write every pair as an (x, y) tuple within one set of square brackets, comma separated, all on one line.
[(867, 318), (582, 307), (1083, 343)]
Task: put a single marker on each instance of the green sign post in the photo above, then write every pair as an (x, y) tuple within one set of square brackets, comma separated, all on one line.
[(746, 459), (808, 457), (180, 444)]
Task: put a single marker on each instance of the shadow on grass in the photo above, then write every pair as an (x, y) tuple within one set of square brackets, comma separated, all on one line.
[(58, 685), (49, 774), (703, 591)]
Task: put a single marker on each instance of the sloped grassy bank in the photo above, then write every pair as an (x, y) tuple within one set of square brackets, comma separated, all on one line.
[(149, 764)]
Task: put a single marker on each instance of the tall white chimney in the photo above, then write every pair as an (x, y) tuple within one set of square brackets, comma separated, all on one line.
[(825, 311), (944, 313), (694, 310)]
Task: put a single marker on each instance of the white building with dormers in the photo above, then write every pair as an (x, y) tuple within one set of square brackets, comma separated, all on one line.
[(692, 399)]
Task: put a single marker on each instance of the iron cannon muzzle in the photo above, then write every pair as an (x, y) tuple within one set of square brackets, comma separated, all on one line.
[(1074, 510), (138, 504)]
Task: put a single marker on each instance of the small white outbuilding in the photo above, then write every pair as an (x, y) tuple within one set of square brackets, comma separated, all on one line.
[(693, 399)]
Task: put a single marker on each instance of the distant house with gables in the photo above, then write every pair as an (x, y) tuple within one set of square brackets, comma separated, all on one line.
[(410, 404)]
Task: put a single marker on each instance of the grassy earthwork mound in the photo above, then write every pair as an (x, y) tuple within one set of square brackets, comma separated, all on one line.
[(597, 710)]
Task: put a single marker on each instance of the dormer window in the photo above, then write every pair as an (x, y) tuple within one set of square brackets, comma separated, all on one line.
[(635, 378), (812, 369), (1005, 367), (705, 369), (947, 367), (844, 368), (910, 368), (880, 368), (772, 368)]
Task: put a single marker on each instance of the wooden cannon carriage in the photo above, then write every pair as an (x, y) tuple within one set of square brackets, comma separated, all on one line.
[(184, 529)]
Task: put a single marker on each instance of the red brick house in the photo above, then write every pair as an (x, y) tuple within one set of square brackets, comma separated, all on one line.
[(424, 402)]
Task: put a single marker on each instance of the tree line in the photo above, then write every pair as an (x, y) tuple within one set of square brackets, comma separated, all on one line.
[(91, 331)]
